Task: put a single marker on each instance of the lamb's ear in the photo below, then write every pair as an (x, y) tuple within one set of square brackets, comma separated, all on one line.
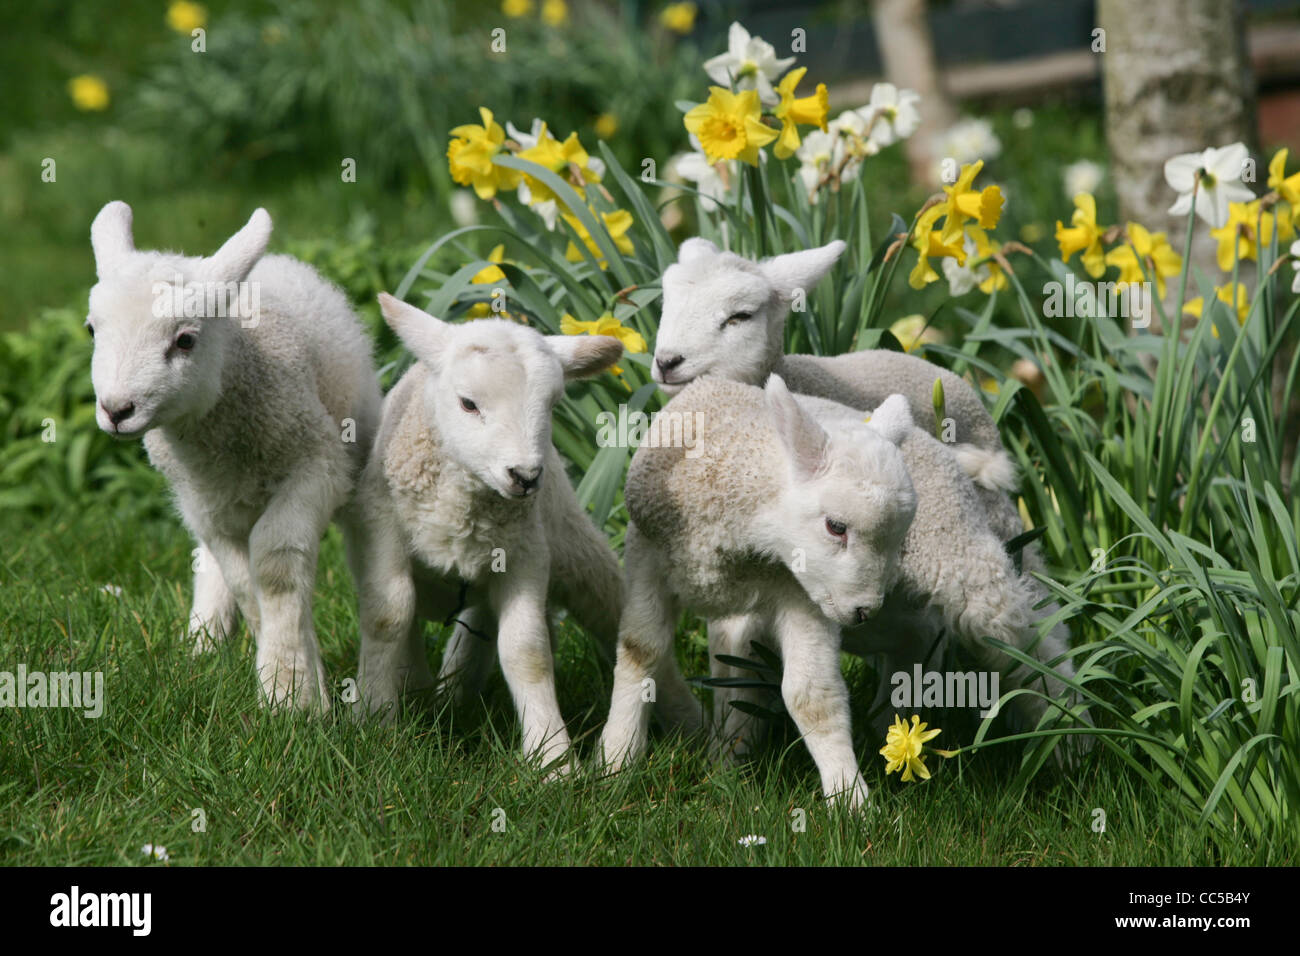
[(110, 238), (236, 258), (801, 270), (585, 355), (803, 438), (893, 419), (697, 248), (424, 335)]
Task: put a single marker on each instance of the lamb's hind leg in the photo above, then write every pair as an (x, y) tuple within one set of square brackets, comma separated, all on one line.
[(215, 612), (469, 655), (735, 732)]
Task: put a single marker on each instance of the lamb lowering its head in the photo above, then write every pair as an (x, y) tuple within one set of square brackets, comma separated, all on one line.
[(470, 515), (774, 515), (252, 383)]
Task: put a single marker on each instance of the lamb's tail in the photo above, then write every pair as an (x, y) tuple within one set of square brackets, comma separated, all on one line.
[(990, 469)]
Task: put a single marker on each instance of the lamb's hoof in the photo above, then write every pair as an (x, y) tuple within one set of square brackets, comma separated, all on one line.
[(289, 689), (856, 798)]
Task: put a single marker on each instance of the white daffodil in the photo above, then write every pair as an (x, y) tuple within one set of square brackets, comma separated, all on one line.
[(816, 154), (961, 279), (526, 140), (1082, 177), (892, 114), (695, 167), (1295, 251), (968, 140), (750, 63), (1220, 171)]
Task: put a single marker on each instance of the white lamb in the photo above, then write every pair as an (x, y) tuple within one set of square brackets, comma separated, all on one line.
[(768, 514), (260, 418), (468, 508)]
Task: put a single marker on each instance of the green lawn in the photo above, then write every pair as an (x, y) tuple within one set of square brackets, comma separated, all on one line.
[(180, 734)]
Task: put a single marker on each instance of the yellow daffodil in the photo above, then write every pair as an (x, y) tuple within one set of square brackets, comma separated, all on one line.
[(516, 8), (965, 203), (806, 111), (1083, 235), (88, 92), (555, 13), (929, 245), (489, 274), (617, 224), (913, 331), (606, 325), (1224, 294), (903, 747), (469, 157), (984, 249), (730, 125), (1238, 235), (1153, 249), (679, 17), (1288, 187), (186, 17), (606, 125), (558, 157)]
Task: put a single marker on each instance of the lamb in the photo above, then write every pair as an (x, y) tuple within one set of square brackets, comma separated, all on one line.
[(465, 486), (769, 514), (725, 315), (260, 417)]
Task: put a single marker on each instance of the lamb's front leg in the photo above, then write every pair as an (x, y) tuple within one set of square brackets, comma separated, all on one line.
[(645, 639), (282, 550), (214, 614), (818, 699), (518, 600)]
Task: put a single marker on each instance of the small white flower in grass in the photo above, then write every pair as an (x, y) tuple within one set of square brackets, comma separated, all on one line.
[(753, 840), (1083, 176), (158, 852), (112, 590), (1220, 171), (750, 63), (1295, 251), (1022, 118), (968, 140), (892, 113)]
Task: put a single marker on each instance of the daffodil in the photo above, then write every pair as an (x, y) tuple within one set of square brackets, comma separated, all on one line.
[(89, 93), (558, 157), (965, 203), (730, 125), (679, 17), (985, 250), (792, 112), (555, 13), (1288, 187), (1295, 255), (1219, 173), (1148, 247), (606, 125), (967, 140), (469, 157), (186, 17), (516, 8), (892, 114), (1083, 176), (1248, 224), (1233, 295), (750, 63), (1083, 235), (617, 224), (606, 325), (904, 746), (709, 178), (913, 331), (929, 244), (489, 274)]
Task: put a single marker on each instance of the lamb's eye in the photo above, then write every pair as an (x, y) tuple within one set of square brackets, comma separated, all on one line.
[(469, 406), (837, 529), (737, 317), (186, 341)]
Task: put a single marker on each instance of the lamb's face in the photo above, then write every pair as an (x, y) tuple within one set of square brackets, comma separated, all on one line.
[(847, 504), (492, 386), (492, 398), (159, 355), (850, 521), (724, 315)]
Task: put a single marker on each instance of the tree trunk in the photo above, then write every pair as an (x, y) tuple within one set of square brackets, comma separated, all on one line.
[(907, 50)]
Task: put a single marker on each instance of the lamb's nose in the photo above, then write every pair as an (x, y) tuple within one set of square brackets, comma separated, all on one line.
[(669, 362), (526, 478), (119, 414)]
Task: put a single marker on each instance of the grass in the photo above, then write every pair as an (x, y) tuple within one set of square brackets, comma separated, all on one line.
[(180, 734)]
